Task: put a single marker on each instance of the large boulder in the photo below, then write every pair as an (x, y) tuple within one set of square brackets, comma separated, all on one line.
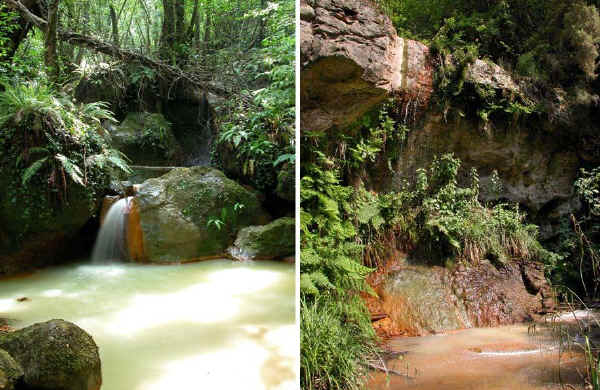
[(55, 355), (34, 230), (189, 214), (147, 139), (272, 241), (11, 373)]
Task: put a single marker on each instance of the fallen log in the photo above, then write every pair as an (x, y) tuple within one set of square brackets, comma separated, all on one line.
[(173, 72)]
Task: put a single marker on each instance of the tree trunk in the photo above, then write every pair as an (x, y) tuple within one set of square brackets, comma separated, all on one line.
[(207, 25), (51, 54), (86, 20), (194, 23), (180, 20), (168, 29), (261, 30), (115, 26)]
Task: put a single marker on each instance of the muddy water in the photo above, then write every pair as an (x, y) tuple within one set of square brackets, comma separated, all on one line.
[(211, 325), (481, 359)]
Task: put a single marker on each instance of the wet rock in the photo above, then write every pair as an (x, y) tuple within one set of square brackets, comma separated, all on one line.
[(420, 300), (147, 139), (11, 373), (175, 211), (55, 355), (271, 241)]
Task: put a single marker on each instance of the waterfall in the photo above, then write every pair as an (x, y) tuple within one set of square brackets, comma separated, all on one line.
[(111, 242)]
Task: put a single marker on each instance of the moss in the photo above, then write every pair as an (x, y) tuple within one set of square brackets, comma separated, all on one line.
[(273, 240), (176, 208), (55, 354), (147, 139), (11, 373)]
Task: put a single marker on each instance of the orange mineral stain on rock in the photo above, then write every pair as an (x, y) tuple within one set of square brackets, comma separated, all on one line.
[(135, 235)]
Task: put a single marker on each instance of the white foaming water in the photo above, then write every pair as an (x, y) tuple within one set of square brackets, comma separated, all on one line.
[(110, 244), (216, 324)]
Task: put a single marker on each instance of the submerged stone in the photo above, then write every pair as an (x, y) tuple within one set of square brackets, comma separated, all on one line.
[(271, 241), (55, 355)]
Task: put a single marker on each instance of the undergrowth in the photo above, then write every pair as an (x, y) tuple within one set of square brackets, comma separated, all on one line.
[(54, 153), (347, 230)]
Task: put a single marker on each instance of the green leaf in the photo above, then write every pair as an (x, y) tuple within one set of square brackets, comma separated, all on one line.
[(32, 169), (71, 168)]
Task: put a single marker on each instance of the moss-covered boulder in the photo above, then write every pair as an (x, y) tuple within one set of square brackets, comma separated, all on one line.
[(104, 83), (11, 373), (55, 355), (189, 214), (147, 139), (286, 187), (272, 241)]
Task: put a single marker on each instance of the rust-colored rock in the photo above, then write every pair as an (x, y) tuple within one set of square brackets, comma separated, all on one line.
[(416, 300), (135, 235)]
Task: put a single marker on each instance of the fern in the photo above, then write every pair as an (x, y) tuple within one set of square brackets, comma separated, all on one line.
[(32, 170), (71, 168)]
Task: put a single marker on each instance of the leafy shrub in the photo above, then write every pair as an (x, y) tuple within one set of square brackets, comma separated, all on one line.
[(51, 150)]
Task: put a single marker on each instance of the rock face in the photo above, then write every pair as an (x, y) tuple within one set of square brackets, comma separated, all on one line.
[(352, 59), (272, 241), (49, 236), (55, 355), (11, 373), (174, 216), (147, 139), (417, 300), (537, 169)]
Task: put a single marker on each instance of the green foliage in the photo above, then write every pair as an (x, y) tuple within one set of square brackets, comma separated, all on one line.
[(332, 335), (51, 149), (228, 217), (554, 43), (346, 231), (257, 126), (578, 243)]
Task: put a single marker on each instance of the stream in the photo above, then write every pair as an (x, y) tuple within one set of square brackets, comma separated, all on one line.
[(508, 357), (213, 324)]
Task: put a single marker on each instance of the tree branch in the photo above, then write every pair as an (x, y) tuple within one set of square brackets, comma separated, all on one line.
[(124, 55)]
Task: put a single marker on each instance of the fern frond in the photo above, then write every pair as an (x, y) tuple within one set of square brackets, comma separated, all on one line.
[(32, 170), (71, 168)]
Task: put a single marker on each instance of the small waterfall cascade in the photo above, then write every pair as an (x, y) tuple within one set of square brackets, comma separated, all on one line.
[(111, 242)]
